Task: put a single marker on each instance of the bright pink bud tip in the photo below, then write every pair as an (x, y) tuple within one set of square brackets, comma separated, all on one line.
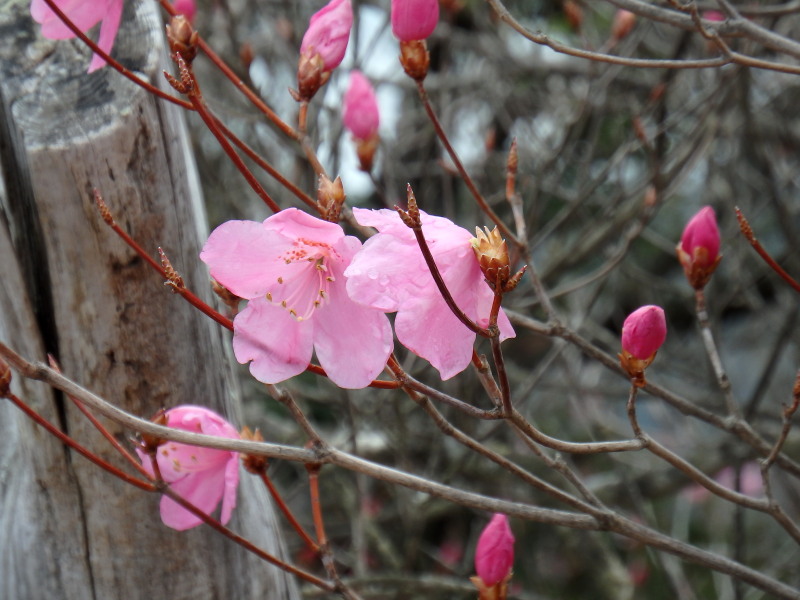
[(414, 19), (360, 113), (700, 239), (328, 32), (644, 331), (494, 555), (187, 8), (202, 476)]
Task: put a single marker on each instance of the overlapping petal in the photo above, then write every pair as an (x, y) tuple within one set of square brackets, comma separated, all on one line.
[(390, 274)]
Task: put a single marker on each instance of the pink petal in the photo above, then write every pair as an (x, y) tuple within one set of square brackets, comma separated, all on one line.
[(328, 33), (414, 19), (204, 490), (229, 493), (352, 342), (108, 33), (278, 346), (428, 328), (84, 14), (244, 257), (299, 225)]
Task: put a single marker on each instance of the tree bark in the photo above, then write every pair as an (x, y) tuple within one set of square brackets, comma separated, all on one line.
[(70, 287)]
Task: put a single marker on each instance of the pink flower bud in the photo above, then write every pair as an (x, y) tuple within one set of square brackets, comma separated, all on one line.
[(713, 15), (187, 8), (328, 33), (414, 19), (698, 251), (700, 239), (623, 23), (494, 555), (360, 114), (644, 331)]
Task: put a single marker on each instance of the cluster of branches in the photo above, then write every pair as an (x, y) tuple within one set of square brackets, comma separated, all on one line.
[(617, 143)]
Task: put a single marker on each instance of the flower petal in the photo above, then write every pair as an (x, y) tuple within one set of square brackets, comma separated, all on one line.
[(244, 257), (204, 490), (229, 493), (278, 346), (352, 342), (299, 225), (108, 33)]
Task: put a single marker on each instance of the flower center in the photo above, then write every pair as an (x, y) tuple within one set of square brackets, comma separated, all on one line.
[(304, 286)]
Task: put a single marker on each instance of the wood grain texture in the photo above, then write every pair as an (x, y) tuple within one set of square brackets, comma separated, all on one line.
[(70, 287)]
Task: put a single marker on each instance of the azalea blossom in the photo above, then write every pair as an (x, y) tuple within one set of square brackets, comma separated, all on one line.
[(328, 33), (85, 14), (291, 269), (390, 274), (494, 554), (203, 476)]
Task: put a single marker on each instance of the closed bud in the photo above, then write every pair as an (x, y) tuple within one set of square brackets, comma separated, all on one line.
[(643, 333), (574, 14), (415, 59), (5, 379), (330, 197), (253, 463), (361, 117), (494, 558), (182, 37), (698, 251), (414, 19), (624, 21), (323, 46), (187, 8), (491, 251)]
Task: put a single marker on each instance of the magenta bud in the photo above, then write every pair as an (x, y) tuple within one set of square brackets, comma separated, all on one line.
[(360, 113), (328, 33), (494, 554), (187, 8), (644, 331), (414, 19), (698, 251)]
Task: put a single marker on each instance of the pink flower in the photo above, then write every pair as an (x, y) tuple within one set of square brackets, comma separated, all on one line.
[(390, 274), (360, 114), (85, 14), (494, 554), (202, 476), (644, 331), (700, 240), (291, 268), (713, 15), (414, 19), (328, 32), (187, 8)]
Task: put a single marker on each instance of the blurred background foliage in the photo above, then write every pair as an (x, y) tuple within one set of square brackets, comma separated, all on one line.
[(604, 208)]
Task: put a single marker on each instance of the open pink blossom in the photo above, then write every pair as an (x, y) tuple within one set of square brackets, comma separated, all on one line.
[(494, 554), (328, 33), (85, 14), (414, 19), (643, 331), (360, 114), (390, 274), (291, 268), (203, 476)]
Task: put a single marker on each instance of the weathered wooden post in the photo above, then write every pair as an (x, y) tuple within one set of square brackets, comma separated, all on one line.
[(71, 288)]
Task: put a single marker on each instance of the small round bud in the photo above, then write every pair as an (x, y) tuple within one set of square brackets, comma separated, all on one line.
[(643, 333), (698, 251)]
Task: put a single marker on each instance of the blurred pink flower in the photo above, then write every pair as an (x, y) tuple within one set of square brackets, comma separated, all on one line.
[(390, 274), (328, 33), (623, 23), (713, 15), (202, 476), (85, 14), (291, 268), (494, 554), (644, 331), (360, 114), (414, 19), (187, 8), (750, 483)]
